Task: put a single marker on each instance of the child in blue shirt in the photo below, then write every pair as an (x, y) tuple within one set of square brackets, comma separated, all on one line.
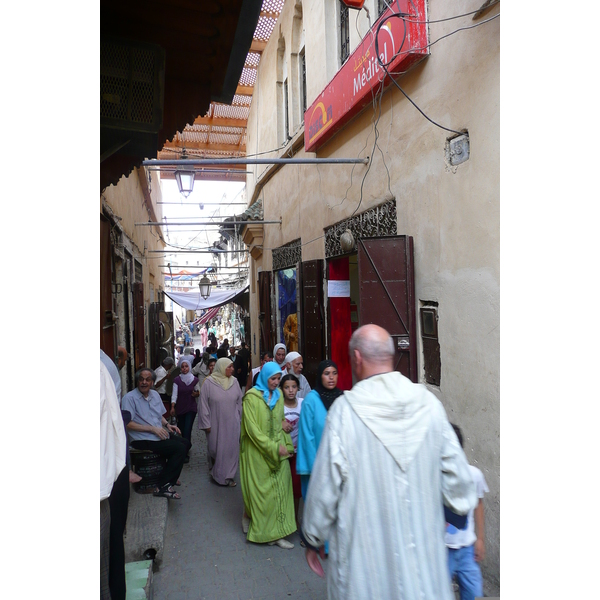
[(466, 547)]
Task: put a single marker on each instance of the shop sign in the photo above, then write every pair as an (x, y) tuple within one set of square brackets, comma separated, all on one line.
[(356, 82)]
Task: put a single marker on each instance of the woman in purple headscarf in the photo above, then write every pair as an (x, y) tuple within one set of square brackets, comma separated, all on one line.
[(183, 400)]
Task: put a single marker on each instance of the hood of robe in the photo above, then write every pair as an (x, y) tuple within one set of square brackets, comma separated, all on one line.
[(396, 410)]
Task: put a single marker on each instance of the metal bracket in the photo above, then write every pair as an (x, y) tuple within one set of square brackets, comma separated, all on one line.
[(458, 149)]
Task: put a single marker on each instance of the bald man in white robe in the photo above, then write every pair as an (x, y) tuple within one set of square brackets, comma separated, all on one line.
[(387, 460)]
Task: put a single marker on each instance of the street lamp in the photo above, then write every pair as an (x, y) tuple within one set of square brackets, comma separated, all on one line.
[(185, 177), (185, 180), (204, 286)]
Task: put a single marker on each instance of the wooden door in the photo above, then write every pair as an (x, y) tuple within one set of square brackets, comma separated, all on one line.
[(107, 323), (313, 317), (340, 323), (264, 311), (387, 294), (139, 333)]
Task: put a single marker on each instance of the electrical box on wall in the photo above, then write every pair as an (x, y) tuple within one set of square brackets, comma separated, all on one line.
[(458, 149)]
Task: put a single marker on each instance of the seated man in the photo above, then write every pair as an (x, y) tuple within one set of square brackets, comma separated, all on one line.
[(149, 430)]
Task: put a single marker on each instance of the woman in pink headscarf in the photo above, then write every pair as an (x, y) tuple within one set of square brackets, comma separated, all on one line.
[(204, 337)]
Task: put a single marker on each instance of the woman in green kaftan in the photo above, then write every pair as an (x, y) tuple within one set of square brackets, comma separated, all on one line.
[(264, 467)]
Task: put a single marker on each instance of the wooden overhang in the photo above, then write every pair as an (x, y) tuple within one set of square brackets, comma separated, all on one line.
[(220, 132), (201, 49)]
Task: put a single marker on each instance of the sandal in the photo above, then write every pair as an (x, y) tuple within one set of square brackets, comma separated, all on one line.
[(166, 492), (231, 483), (245, 524)]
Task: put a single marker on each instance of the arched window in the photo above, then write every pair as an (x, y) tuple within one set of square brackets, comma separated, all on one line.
[(380, 5), (282, 93), (298, 64), (344, 21)]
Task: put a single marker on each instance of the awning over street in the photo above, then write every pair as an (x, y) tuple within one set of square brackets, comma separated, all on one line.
[(194, 301), (186, 275), (211, 313)]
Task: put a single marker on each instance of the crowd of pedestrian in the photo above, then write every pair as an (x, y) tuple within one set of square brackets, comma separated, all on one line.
[(388, 495)]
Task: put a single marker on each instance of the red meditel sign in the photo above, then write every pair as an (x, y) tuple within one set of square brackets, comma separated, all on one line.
[(355, 84)]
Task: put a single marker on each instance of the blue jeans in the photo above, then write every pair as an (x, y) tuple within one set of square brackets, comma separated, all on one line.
[(461, 562), (185, 423)]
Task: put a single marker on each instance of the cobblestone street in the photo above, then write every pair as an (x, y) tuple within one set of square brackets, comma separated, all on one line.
[(206, 555)]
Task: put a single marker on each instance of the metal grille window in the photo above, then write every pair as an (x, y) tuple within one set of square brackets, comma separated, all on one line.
[(431, 346), (286, 125), (344, 32), (303, 79), (374, 222), (130, 85), (287, 256), (381, 6), (138, 271)]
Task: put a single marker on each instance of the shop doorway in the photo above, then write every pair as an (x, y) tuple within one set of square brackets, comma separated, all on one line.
[(342, 308), (312, 310), (374, 285), (286, 308)]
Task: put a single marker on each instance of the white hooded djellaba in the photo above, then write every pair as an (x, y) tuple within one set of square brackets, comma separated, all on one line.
[(387, 462)]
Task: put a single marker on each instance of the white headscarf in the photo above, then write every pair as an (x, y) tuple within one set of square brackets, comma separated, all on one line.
[(189, 376), (277, 347), (188, 358), (290, 356)]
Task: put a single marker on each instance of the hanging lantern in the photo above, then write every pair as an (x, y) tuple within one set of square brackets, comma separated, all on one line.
[(185, 180), (185, 176), (347, 241), (204, 286)]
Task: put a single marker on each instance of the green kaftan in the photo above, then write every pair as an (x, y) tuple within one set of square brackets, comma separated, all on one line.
[(265, 476)]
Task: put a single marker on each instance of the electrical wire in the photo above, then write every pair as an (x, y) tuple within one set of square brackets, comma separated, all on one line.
[(385, 66), (376, 131), (439, 20), (427, 46), (465, 28), (457, 16), (380, 94)]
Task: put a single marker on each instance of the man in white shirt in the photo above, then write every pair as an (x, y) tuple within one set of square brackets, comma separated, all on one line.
[(387, 459), (162, 376), (113, 444)]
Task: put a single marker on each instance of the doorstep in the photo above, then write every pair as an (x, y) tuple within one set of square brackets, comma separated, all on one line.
[(138, 578), (146, 525)]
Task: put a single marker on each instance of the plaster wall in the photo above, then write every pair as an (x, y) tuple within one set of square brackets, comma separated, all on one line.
[(126, 202), (451, 212)]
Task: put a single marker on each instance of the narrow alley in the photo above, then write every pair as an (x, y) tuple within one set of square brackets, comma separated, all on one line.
[(206, 555), (281, 174)]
